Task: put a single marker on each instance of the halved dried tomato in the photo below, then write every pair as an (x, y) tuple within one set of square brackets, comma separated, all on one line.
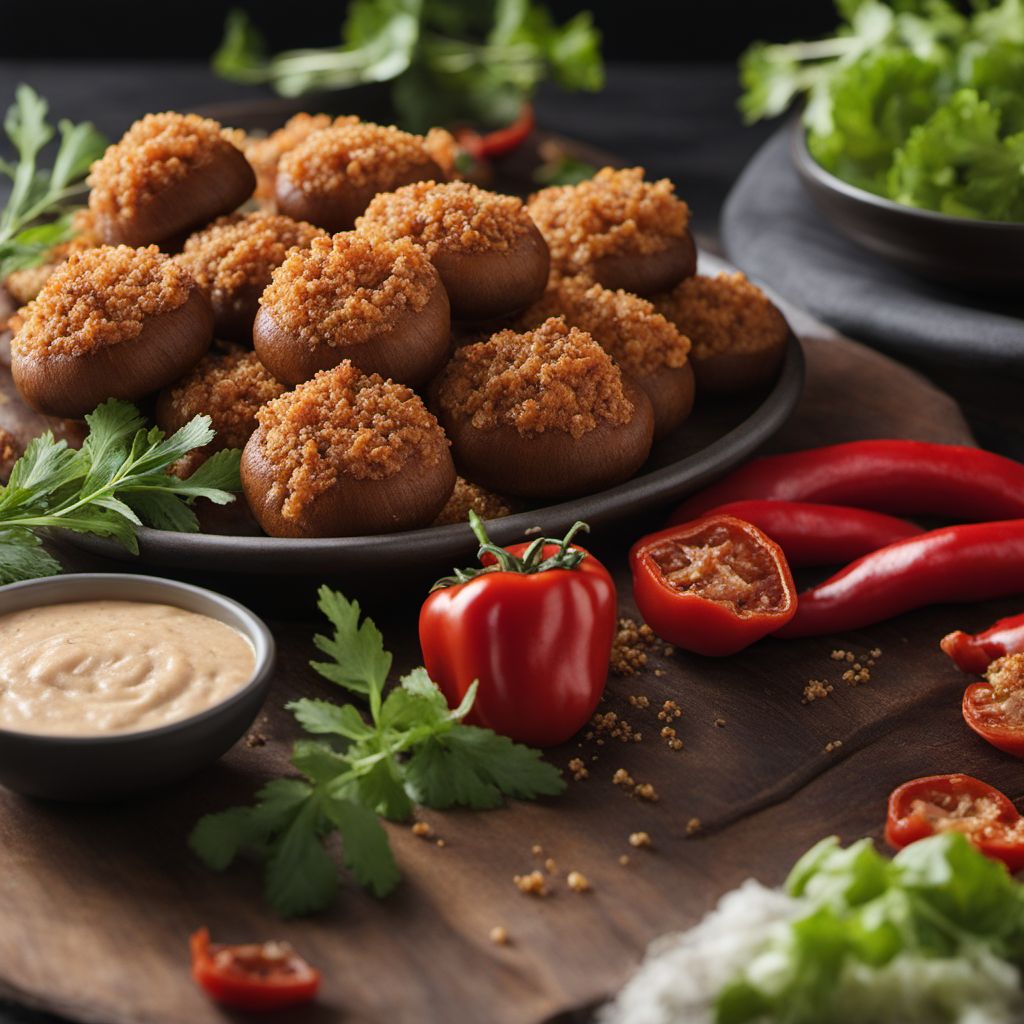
[(713, 586)]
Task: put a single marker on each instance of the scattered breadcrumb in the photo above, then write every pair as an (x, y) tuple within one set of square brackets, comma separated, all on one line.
[(630, 647), (719, 723), (537, 850), (255, 739), (441, 844), (622, 778), (578, 769), (550, 866), (469, 496), (624, 859), (646, 791), (816, 689), (498, 935), (833, 745), (693, 826), (532, 884), (422, 829), (577, 881), (640, 700), (639, 839), (669, 711)]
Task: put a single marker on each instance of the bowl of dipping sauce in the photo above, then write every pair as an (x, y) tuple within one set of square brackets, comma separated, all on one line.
[(111, 684)]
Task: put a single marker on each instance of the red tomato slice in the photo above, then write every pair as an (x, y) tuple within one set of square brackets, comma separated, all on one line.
[(960, 803), (255, 976), (994, 709)]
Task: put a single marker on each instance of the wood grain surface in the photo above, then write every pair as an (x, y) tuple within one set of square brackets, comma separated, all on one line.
[(96, 902)]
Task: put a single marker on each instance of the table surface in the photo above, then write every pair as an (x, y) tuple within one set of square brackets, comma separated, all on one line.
[(676, 121)]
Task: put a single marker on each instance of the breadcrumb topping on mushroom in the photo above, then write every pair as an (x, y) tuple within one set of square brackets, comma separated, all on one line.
[(467, 497), (344, 423), (156, 152), (347, 289), (101, 297), (242, 249), (358, 154), (626, 326), (616, 212), (554, 377), (453, 216), (724, 313), (229, 388)]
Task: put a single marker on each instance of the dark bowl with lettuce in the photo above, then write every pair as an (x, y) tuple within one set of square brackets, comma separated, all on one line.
[(983, 255), (911, 140)]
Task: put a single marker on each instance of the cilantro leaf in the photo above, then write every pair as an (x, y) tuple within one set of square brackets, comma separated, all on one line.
[(323, 717), (365, 845), (300, 875), (117, 481), (473, 767), (359, 661)]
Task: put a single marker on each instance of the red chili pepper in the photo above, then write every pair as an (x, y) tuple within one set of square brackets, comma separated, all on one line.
[(957, 563), (257, 976), (900, 477), (812, 534), (713, 586), (994, 709), (533, 628), (960, 803), (499, 142), (975, 653)]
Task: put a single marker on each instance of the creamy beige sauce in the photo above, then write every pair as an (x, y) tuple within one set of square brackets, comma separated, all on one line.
[(89, 668)]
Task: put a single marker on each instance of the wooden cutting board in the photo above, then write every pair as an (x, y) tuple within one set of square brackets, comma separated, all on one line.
[(96, 902)]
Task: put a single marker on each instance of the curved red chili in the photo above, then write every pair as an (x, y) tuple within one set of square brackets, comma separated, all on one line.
[(958, 563), (811, 534), (501, 140), (975, 652), (900, 477)]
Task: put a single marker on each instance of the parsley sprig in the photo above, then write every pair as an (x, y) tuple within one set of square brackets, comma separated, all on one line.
[(37, 215), (116, 482), (411, 749)]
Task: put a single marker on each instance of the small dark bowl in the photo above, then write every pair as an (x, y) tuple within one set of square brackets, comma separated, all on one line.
[(983, 255), (106, 767)]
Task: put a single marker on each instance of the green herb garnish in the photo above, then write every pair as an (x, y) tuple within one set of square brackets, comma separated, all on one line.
[(116, 482), (412, 749), (448, 60), (915, 101), (37, 216)]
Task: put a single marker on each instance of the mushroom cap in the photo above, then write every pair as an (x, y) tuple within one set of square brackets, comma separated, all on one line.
[(337, 209), (648, 273), (168, 346), (411, 498), (218, 185), (552, 463), (484, 286), (732, 373), (671, 391)]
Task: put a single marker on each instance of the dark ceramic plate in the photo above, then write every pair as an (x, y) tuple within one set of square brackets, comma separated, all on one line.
[(976, 254), (717, 436)]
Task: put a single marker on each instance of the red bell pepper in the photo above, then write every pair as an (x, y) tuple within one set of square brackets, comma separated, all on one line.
[(994, 709), (958, 563), (904, 478), (713, 586), (533, 627), (811, 535), (256, 976), (960, 803), (975, 653), (499, 142)]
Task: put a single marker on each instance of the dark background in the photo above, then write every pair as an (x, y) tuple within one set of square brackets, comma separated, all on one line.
[(634, 30)]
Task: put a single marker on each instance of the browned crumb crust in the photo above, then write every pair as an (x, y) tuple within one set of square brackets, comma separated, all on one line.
[(347, 289), (469, 497), (442, 148), (627, 327), (242, 250), (614, 213), (454, 216), (554, 377), (725, 313), (342, 423), (156, 152), (229, 388), (352, 154), (1006, 675), (25, 285), (264, 154), (101, 297)]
